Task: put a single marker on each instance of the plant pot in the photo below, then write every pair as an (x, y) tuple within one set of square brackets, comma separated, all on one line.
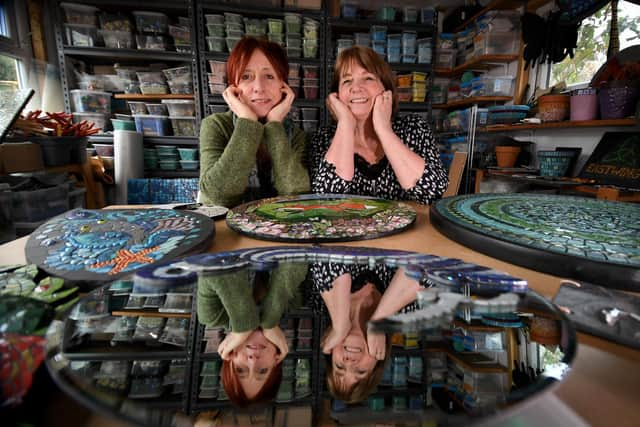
[(617, 102), (584, 104), (506, 156), (553, 108)]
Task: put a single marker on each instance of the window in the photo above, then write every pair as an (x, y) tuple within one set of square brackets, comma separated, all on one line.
[(593, 41), (15, 46)]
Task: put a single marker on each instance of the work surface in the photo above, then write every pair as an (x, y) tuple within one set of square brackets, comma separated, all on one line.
[(602, 386)]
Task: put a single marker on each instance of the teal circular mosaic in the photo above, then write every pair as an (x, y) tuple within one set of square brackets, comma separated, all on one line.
[(588, 239)]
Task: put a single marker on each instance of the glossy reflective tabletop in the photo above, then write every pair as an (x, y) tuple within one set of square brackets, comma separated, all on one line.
[(428, 339)]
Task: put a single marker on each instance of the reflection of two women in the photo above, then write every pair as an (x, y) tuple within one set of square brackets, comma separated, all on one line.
[(254, 346), (354, 295)]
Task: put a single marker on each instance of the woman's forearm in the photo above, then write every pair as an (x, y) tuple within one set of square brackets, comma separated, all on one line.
[(341, 151), (407, 165)]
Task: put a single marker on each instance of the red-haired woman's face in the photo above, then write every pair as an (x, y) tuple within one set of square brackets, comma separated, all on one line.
[(260, 85), (253, 362), (358, 89)]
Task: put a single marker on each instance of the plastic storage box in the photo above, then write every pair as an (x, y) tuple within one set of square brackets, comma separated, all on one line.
[(99, 120), (151, 42), (88, 101), (183, 126), (445, 58), (151, 22), (180, 107), (152, 125), (496, 43), (497, 86), (115, 22), (117, 39), (38, 205), (79, 13), (81, 35)]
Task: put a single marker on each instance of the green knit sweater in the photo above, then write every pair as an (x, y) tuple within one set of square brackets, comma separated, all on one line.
[(227, 299), (228, 154)]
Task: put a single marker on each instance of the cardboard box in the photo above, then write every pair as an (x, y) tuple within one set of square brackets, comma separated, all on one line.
[(20, 157)]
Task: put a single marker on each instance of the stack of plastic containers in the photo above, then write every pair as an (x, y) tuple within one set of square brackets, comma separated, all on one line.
[(181, 114), (379, 39), (80, 26), (92, 106), (181, 34), (167, 157), (409, 45), (276, 30), (498, 32), (129, 79), (116, 31), (179, 80), (446, 53), (310, 31), (152, 29), (293, 37), (342, 44), (188, 158), (217, 77), (216, 31), (234, 27), (152, 82)]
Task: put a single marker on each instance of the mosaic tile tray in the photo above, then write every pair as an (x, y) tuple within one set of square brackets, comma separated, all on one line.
[(581, 238), (314, 218), (98, 245)]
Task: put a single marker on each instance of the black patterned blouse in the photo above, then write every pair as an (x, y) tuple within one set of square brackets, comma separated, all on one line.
[(379, 180)]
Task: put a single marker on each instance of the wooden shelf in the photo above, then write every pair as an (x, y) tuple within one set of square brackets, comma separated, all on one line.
[(481, 62), (532, 5), (470, 101), (559, 125), (140, 97)]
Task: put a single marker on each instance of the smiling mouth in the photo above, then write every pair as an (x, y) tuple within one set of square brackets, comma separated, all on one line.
[(359, 101), (352, 349), (261, 101)]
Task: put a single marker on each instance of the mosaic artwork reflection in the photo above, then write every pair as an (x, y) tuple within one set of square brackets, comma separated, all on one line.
[(427, 342), (577, 237), (321, 218), (100, 245)]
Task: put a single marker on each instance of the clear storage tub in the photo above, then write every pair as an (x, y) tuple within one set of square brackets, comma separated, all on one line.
[(183, 126), (89, 101), (151, 22), (180, 107), (117, 39), (150, 125)]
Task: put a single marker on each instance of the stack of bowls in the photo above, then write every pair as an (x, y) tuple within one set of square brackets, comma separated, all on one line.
[(167, 157), (150, 158), (188, 158)]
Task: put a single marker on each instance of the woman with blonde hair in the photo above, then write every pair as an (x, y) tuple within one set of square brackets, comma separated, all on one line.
[(371, 151)]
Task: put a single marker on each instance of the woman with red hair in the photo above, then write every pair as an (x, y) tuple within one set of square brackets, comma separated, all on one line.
[(253, 151), (254, 346)]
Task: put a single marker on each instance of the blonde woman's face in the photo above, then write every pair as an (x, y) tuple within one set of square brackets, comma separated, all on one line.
[(351, 361), (358, 89), (260, 85)]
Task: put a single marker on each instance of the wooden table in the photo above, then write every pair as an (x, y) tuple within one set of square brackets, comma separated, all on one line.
[(601, 387)]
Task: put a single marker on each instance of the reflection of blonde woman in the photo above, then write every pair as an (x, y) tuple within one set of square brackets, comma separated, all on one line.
[(254, 346), (353, 298)]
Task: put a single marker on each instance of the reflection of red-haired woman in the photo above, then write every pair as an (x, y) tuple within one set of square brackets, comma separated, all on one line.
[(250, 307), (253, 151)]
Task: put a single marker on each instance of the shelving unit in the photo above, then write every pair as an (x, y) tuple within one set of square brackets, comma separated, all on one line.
[(204, 55), (559, 125), (108, 56), (337, 26)]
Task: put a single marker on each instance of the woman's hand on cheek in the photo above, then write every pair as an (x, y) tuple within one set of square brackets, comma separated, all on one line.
[(335, 337), (340, 110), (277, 338), (232, 341), (376, 343), (232, 96), (382, 109), (281, 109)]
